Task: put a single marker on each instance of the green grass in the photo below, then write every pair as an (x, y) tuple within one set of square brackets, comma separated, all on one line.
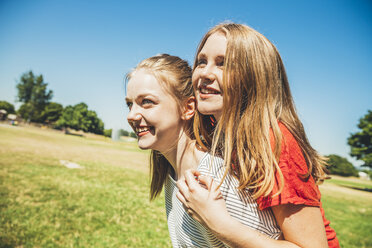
[(354, 184), (350, 213), (44, 204)]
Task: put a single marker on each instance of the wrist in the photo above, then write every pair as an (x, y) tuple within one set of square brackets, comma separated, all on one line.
[(220, 225)]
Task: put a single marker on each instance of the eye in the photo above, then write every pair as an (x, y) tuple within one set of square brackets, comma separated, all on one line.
[(201, 61), (220, 61), (147, 102), (129, 105)]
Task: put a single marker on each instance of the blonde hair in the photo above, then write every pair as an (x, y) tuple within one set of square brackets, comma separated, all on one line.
[(174, 74), (256, 96)]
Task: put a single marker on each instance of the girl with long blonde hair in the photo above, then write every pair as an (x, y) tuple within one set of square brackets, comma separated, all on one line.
[(240, 80), (161, 103)]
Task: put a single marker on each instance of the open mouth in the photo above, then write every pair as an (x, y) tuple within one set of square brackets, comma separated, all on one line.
[(208, 91), (141, 131)]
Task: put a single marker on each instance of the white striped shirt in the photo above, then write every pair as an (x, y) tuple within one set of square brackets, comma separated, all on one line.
[(186, 232)]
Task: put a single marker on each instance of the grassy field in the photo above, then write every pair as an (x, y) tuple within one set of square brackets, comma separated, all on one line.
[(105, 204)]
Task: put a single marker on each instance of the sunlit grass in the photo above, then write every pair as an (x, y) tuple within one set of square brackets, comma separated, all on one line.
[(44, 204), (352, 182), (349, 210)]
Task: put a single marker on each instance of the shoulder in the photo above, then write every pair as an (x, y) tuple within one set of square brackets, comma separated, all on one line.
[(295, 188), (291, 156)]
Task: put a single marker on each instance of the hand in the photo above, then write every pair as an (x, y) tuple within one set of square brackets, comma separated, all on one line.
[(202, 199)]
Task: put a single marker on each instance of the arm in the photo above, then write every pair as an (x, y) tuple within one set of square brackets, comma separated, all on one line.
[(205, 204), (301, 224)]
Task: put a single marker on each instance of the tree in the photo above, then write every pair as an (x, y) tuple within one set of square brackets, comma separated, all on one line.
[(25, 111), (361, 142), (52, 112), (133, 135), (66, 119), (78, 117), (32, 91), (341, 166), (7, 106)]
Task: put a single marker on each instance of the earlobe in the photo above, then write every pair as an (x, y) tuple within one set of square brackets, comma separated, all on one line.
[(189, 109)]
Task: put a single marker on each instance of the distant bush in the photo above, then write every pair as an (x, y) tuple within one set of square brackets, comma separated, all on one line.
[(341, 166), (7, 106), (107, 132), (124, 132), (133, 135), (79, 117)]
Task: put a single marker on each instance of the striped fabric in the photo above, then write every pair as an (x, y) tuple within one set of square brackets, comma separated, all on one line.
[(187, 232)]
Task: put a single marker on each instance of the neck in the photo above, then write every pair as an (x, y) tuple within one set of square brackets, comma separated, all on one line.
[(217, 116), (184, 156)]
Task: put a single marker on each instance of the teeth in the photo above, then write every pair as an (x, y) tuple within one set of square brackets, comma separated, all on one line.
[(142, 129), (208, 91)]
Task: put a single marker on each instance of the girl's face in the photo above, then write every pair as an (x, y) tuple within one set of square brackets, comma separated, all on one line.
[(153, 113), (207, 76)]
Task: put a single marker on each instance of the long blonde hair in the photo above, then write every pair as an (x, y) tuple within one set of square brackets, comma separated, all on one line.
[(174, 74), (256, 96)]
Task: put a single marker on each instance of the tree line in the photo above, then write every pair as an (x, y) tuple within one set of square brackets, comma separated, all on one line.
[(37, 107)]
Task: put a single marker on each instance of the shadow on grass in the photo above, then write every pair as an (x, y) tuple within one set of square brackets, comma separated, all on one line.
[(356, 188)]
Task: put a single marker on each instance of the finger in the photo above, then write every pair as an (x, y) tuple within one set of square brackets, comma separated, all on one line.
[(215, 188), (206, 181), (195, 172), (190, 212), (182, 199), (218, 194), (212, 186), (183, 188), (190, 180)]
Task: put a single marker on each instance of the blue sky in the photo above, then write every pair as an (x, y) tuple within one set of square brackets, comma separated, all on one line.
[(85, 48)]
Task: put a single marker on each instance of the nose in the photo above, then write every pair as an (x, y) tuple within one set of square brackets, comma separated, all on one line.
[(207, 73), (133, 115)]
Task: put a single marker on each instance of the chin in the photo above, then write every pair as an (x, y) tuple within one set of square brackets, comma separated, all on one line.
[(144, 146), (210, 108), (207, 110)]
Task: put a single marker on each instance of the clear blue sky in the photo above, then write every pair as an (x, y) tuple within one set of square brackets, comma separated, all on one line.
[(85, 48)]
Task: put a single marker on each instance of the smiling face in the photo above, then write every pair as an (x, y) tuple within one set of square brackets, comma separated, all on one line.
[(208, 73), (154, 113)]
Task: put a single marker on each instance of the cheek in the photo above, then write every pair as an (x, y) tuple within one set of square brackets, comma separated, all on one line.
[(219, 79), (195, 78)]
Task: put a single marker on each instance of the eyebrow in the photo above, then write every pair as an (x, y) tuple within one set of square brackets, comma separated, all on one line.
[(141, 96), (202, 55)]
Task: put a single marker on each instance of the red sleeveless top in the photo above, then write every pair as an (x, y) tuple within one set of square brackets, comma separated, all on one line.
[(295, 190)]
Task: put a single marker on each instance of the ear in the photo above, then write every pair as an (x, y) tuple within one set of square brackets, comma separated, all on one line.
[(188, 109)]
